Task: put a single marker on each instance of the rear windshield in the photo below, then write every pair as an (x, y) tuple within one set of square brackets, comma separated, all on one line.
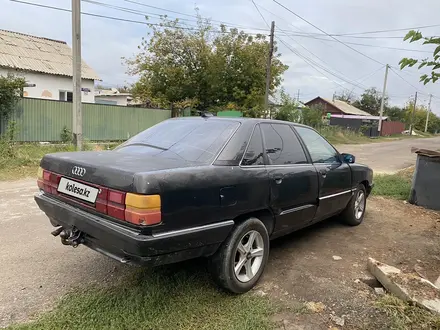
[(191, 140)]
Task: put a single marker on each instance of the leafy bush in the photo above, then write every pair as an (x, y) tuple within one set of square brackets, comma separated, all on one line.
[(10, 92), (312, 116), (66, 135)]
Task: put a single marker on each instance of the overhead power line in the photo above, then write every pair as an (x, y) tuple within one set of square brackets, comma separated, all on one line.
[(305, 58), (390, 30), (259, 12), (142, 13), (318, 67), (364, 45), (189, 28), (416, 88), (348, 36), (193, 16), (316, 27)]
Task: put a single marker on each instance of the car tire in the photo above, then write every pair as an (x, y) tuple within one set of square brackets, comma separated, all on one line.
[(240, 261), (354, 213)]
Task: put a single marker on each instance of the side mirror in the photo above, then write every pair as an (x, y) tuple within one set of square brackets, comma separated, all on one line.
[(348, 158)]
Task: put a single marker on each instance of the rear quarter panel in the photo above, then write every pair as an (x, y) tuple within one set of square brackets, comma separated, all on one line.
[(202, 195), (361, 173)]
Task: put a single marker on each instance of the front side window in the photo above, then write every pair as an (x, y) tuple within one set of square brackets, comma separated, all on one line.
[(254, 152), (193, 140), (320, 150), (282, 145)]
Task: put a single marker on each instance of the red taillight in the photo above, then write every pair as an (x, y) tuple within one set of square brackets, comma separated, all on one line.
[(116, 204), (137, 209), (116, 197)]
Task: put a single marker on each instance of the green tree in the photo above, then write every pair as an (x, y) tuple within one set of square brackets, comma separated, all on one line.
[(420, 118), (433, 64), (395, 113), (370, 101), (288, 109), (312, 116), (11, 87), (204, 67)]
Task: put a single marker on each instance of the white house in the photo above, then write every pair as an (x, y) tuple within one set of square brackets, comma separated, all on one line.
[(112, 96), (46, 65)]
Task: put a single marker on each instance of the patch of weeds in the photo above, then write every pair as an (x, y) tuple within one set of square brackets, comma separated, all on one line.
[(25, 159), (392, 185), (66, 135), (164, 298), (338, 135), (404, 315)]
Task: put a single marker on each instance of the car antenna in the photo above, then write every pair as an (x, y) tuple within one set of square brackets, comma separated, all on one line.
[(206, 114)]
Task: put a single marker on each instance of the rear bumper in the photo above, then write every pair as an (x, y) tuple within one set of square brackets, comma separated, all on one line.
[(130, 245)]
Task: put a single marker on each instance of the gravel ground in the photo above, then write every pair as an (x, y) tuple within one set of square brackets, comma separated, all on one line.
[(36, 270)]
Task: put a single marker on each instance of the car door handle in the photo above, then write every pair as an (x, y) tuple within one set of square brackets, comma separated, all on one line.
[(278, 180), (323, 173)]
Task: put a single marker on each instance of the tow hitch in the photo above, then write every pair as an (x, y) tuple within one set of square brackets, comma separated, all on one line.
[(69, 236)]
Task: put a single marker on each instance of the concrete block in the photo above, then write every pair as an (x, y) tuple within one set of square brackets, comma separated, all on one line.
[(407, 287)]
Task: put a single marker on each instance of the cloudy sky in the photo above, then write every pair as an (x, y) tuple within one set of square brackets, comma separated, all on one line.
[(318, 65)]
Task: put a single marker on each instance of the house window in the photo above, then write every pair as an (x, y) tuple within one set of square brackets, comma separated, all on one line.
[(66, 96)]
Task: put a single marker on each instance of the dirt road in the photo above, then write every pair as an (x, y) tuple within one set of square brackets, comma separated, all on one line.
[(389, 156), (36, 269)]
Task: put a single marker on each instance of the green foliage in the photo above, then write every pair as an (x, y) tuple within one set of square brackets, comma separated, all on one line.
[(392, 185), (370, 101), (395, 113), (66, 135), (312, 116), (420, 118), (202, 68), (432, 64), (339, 135), (405, 315), (7, 149), (173, 297), (10, 92), (288, 110)]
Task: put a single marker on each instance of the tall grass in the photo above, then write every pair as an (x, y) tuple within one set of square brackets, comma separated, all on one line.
[(175, 297), (339, 135)]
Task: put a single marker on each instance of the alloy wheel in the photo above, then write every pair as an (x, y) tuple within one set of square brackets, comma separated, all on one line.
[(249, 256)]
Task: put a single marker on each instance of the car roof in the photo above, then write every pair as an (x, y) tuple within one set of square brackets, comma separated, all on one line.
[(242, 120)]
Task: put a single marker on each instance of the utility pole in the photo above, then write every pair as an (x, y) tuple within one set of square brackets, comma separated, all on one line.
[(297, 98), (76, 64), (412, 116), (427, 114), (382, 103), (268, 67)]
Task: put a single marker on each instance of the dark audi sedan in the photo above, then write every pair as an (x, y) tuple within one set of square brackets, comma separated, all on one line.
[(202, 187)]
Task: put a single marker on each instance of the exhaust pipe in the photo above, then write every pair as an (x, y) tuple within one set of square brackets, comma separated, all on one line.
[(57, 231)]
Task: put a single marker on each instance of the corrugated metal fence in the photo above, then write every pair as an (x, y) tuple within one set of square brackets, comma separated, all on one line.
[(392, 127), (43, 120)]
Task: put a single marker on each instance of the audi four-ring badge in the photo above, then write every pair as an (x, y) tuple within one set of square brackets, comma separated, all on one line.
[(78, 171)]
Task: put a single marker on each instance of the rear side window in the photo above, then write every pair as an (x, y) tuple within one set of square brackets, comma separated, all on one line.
[(195, 140), (282, 145), (254, 152), (319, 149)]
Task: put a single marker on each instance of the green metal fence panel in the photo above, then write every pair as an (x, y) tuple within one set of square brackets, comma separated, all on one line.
[(43, 120), (229, 113)]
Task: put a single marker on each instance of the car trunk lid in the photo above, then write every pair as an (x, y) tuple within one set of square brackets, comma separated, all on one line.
[(111, 169)]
